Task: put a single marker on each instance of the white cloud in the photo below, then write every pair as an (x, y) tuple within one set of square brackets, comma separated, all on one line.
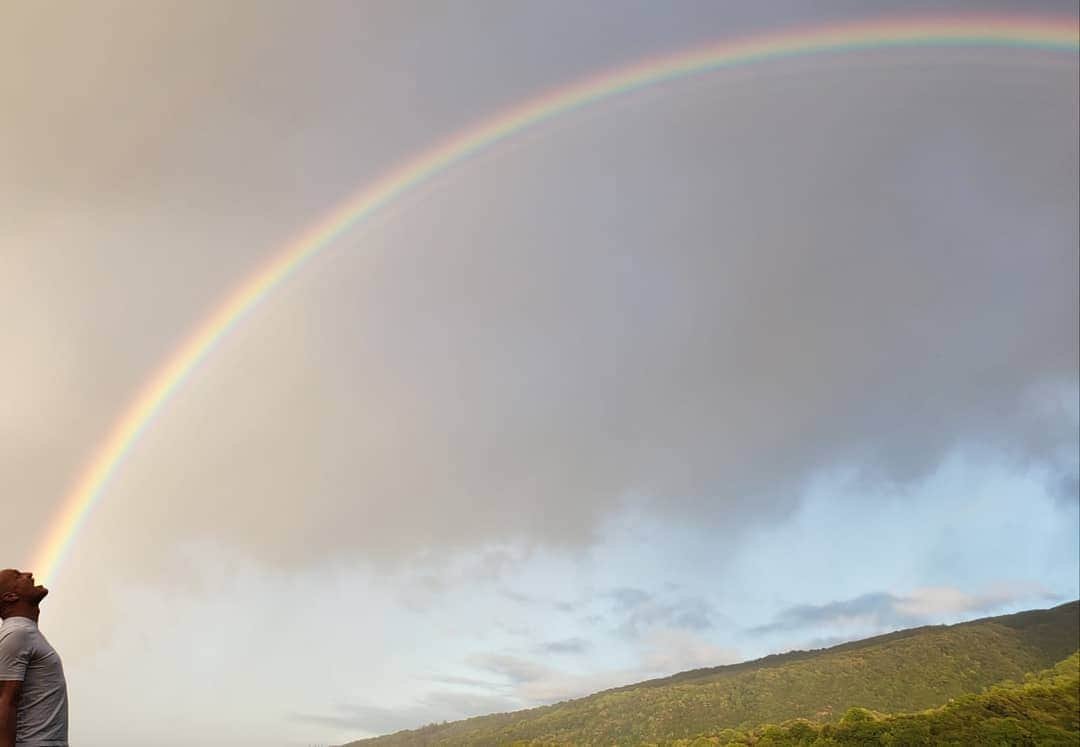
[(671, 650), (660, 652), (938, 601)]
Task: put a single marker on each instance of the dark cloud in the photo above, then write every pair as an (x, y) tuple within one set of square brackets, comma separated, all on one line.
[(692, 614), (700, 295), (430, 580), (627, 598), (565, 646), (516, 596), (639, 611), (887, 611), (660, 650), (532, 600), (1068, 489), (855, 296), (471, 682), (878, 607), (513, 668)]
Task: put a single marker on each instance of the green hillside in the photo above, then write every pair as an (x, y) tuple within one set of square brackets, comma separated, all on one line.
[(1043, 710), (910, 670)]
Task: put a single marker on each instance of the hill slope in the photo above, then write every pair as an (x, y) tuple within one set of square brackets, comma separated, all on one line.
[(1044, 709), (909, 670)]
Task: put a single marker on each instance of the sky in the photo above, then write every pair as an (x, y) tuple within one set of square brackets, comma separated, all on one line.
[(761, 359)]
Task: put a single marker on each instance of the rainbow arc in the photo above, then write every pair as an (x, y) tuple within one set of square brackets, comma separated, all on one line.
[(1059, 35)]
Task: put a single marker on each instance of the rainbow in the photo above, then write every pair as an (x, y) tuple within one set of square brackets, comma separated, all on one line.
[(1023, 32)]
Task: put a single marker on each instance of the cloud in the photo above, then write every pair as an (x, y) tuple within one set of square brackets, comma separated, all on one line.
[(1067, 489), (641, 611), (628, 599), (940, 601), (430, 579), (514, 669), (434, 707), (873, 608), (471, 682), (661, 651), (887, 611), (695, 298), (671, 650), (565, 646), (530, 600), (372, 719), (535, 684), (514, 351)]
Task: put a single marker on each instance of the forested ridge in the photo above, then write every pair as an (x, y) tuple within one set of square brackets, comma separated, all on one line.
[(1042, 710), (937, 680)]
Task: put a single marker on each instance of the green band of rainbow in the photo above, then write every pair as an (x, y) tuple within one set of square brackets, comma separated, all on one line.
[(1051, 34)]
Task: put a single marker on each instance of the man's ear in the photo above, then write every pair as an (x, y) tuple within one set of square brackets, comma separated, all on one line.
[(9, 597)]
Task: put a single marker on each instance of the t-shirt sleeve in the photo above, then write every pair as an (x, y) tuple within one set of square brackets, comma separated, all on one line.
[(14, 654)]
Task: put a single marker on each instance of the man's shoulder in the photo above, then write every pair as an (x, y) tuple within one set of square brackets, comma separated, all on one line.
[(16, 635), (18, 621)]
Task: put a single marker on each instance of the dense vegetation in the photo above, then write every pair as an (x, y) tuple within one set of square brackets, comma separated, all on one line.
[(1043, 710), (910, 670)]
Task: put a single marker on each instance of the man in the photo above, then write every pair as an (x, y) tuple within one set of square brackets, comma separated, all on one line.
[(33, 692)]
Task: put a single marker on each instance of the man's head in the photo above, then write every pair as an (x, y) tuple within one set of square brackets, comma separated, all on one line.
[(18, 594)]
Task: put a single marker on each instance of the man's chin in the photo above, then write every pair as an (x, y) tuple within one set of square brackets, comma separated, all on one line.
[(42, 592)]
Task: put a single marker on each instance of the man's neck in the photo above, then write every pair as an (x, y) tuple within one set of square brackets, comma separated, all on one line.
[(30, 613)]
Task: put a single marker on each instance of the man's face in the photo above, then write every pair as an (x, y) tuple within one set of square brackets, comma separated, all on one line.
[(19, 585)]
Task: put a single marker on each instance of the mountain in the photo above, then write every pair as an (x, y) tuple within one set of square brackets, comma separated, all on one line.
[(909, 670)]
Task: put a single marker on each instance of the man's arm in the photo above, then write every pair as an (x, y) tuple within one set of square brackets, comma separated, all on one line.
[(9, 707), (14, 661)]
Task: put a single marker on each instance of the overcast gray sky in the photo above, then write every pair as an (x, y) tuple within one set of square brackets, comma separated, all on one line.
[(756, 359)]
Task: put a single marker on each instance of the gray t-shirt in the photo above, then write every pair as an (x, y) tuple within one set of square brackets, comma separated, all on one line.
[(25, 655)]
